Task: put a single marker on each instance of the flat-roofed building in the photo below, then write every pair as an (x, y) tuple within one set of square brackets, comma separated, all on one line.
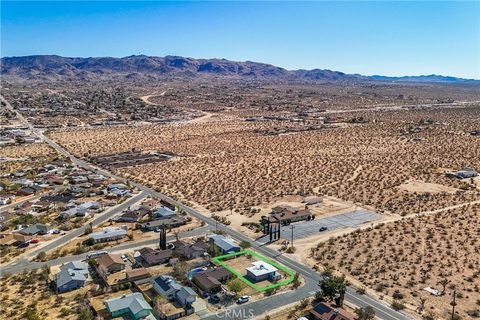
[(260, 271)]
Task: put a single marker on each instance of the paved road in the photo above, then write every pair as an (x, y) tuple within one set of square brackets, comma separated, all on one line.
[(382, 310), (261, 307)]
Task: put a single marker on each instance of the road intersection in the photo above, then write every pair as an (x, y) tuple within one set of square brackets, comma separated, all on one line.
[(383, 311)]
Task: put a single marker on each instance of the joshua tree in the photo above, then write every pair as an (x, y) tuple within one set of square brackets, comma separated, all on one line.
[(423, 300), (443, 283)]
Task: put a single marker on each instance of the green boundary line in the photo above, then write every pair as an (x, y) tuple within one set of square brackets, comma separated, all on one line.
[(218, 260)]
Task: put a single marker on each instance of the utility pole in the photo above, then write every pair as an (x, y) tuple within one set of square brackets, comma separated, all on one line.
[(291, 227), (453, 303)]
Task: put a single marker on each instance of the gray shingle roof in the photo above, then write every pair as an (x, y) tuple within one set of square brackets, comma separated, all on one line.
[(36, 228), (72, 271), (223, 243), (134, 301), (108, 233)]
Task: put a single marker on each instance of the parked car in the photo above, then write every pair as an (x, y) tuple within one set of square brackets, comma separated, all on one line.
[(243, 299), (34, 241), (24, 244), (323, 228)]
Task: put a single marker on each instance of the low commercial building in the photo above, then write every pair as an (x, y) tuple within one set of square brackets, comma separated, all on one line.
[(286, 215)]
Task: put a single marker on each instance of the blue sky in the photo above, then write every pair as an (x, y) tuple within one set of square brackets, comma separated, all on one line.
[(388, 38)]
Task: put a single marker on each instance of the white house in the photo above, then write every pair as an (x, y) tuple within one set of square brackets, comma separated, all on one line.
[(261, 270)]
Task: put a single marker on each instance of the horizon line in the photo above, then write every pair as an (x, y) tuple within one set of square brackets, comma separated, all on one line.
[(241, 61)]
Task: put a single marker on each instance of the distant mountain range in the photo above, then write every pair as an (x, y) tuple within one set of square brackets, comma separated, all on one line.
[(52, 67)]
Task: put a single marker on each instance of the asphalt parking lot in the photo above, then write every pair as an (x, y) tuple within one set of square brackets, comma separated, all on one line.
[(306, 229)]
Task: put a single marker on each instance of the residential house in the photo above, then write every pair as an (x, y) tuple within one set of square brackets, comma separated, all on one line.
[(108, 234), (37, 228), (96, 177), (81, 210), (210, 281), (59, 200), (149, 204), (191, 251), (133, 305), (178, 294), (163, 212), (166, 286), (462, 174), (6, 216), (118, 192), (133, 215), (137, 274), (168, 222), (110, 263), (79, 179), (26, 191), (72, 275), (14, 239), (223, 244), (260, 271), (114, 186), (6, 199), (23, 182), (324, 312), (150, 257)]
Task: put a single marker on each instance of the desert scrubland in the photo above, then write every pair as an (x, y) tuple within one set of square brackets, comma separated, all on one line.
[(220, 164), (23, 156), (400, 259)]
